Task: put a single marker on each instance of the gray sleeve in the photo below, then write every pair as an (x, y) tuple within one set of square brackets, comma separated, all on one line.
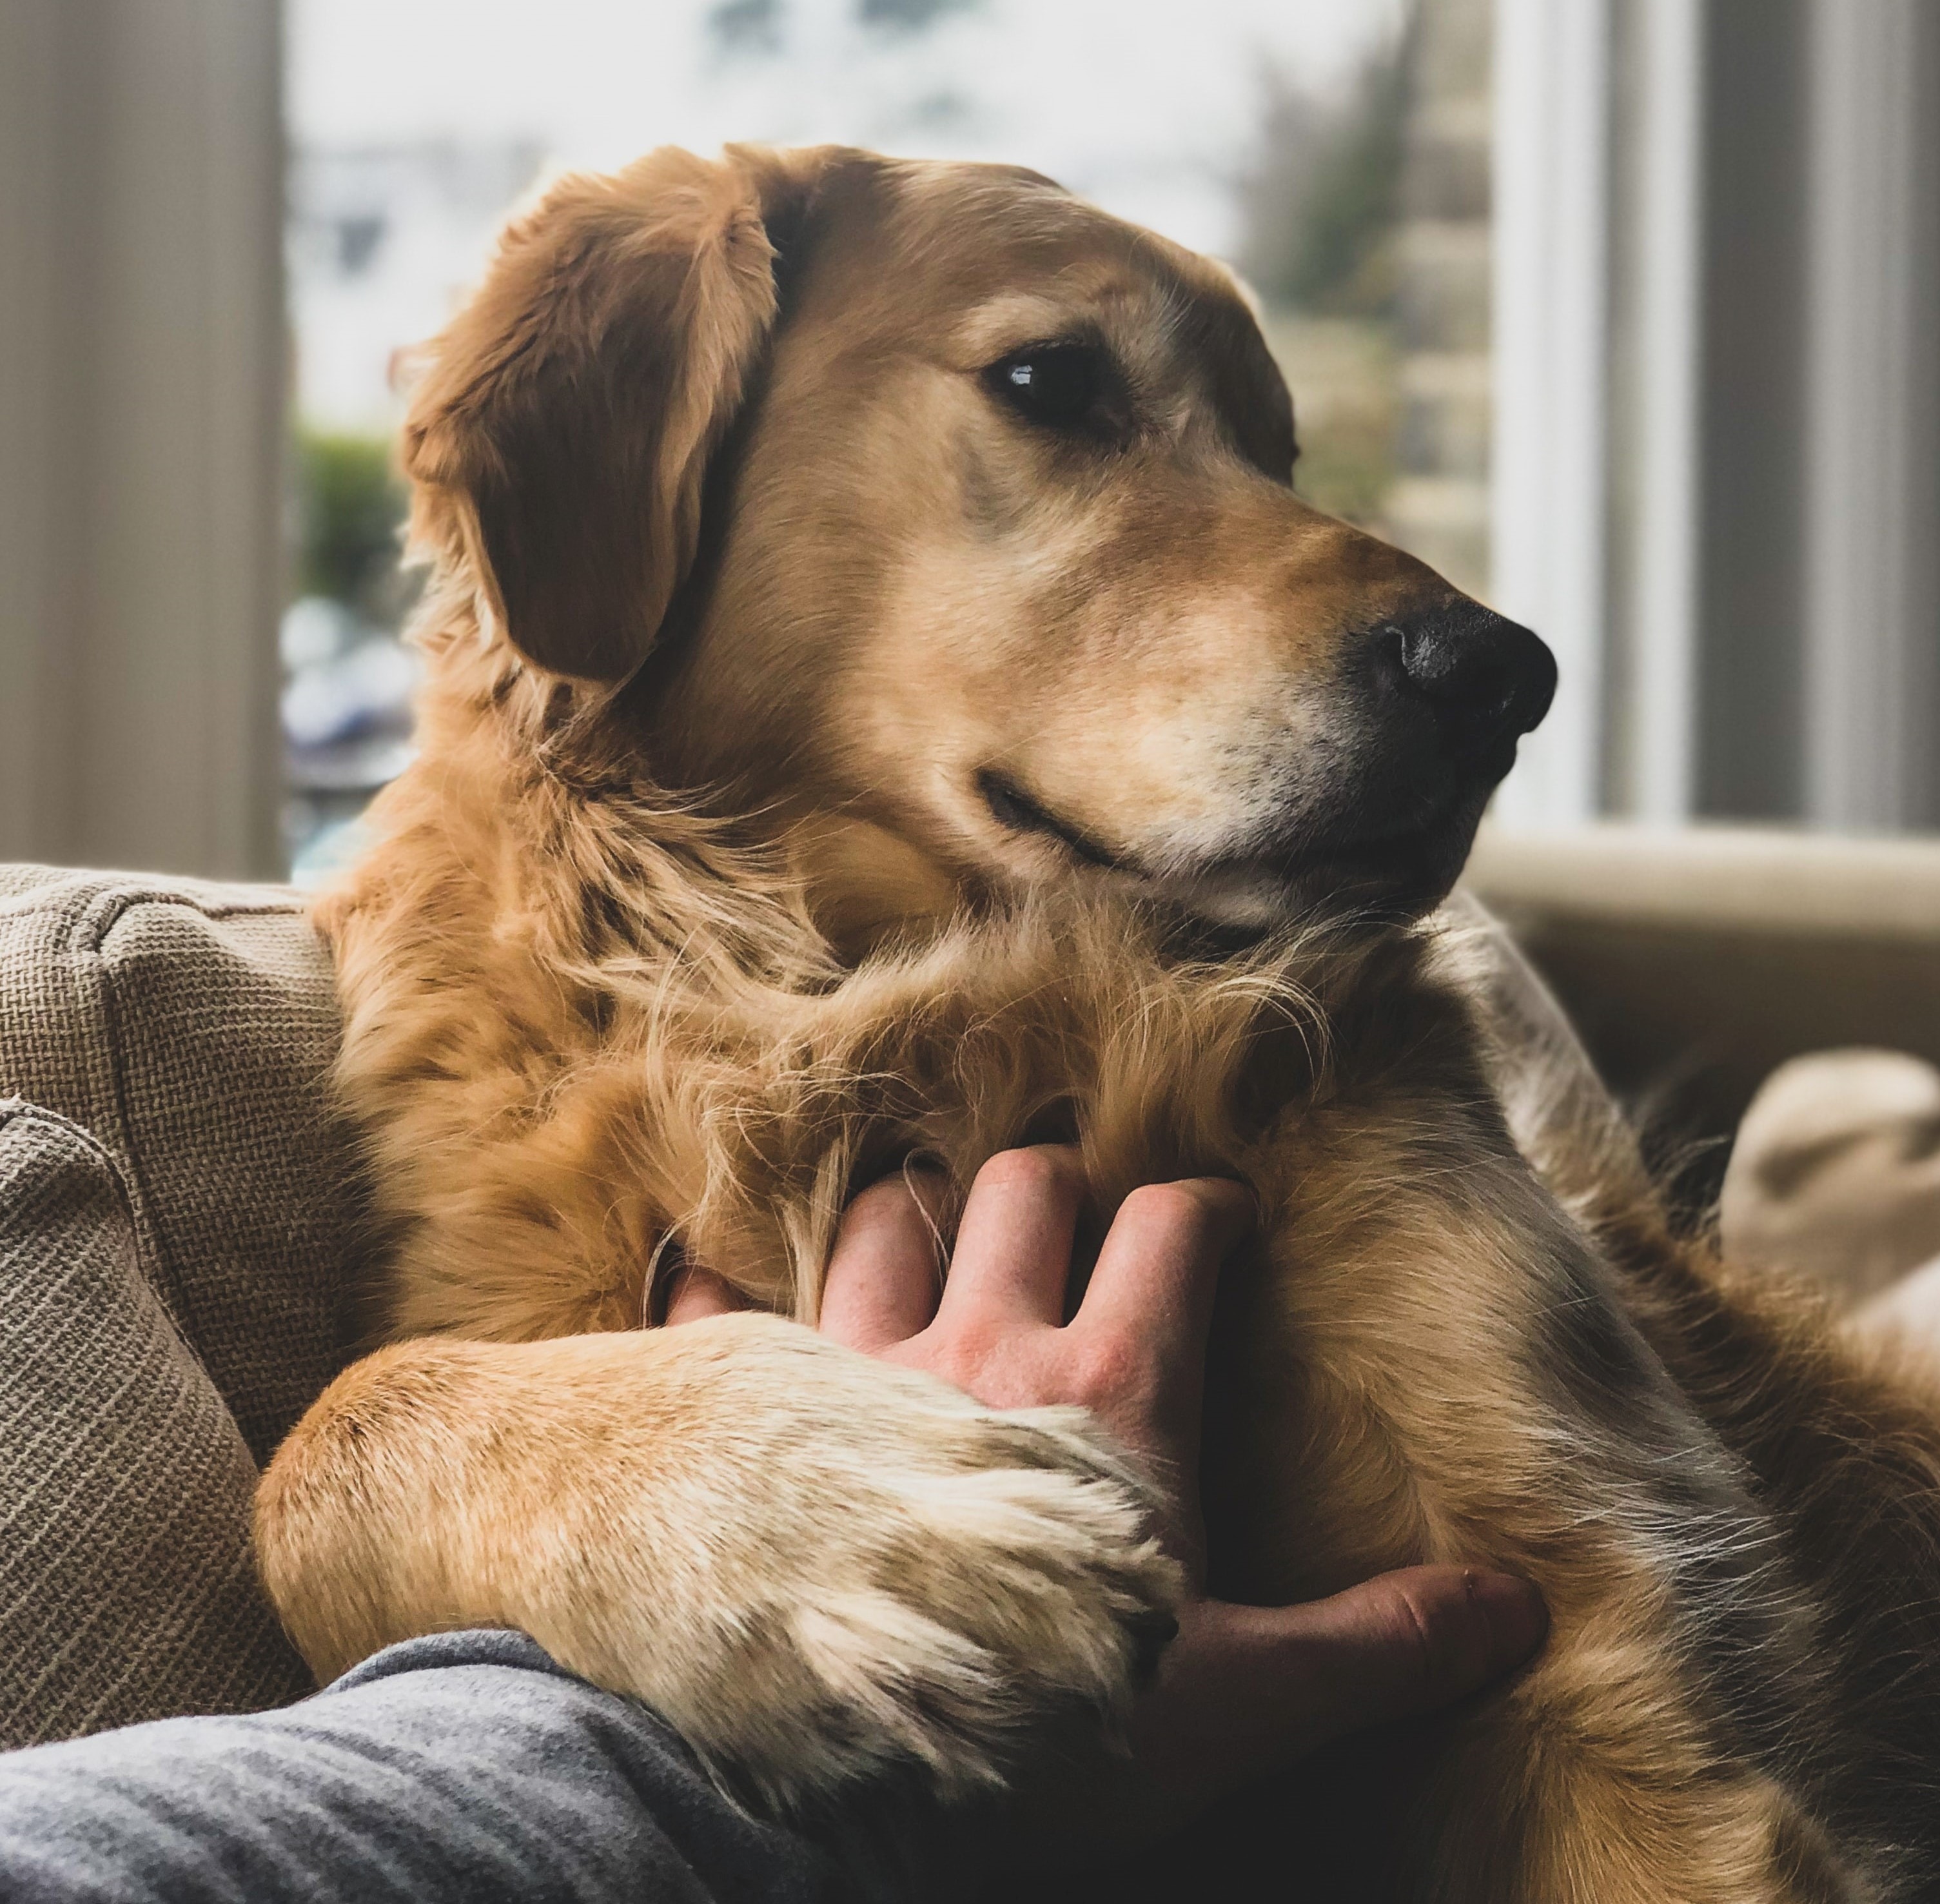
[(465, 1766)]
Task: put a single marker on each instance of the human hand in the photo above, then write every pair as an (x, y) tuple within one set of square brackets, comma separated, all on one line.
[(1242, 1691)]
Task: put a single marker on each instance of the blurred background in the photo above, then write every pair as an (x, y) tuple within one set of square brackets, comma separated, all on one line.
[(1622, 313)]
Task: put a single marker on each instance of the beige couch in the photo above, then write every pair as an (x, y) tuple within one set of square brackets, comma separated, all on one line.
[(179, 1225), (1695, 962)]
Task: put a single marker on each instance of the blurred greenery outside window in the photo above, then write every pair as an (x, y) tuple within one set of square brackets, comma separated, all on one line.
[(1321, 213), (347, 678), (1318, 232)]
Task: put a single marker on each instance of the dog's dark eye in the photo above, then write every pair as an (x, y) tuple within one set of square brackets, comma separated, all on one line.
[(1062, 385)]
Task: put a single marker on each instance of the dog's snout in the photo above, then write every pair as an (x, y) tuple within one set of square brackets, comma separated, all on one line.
[(1486, 679)]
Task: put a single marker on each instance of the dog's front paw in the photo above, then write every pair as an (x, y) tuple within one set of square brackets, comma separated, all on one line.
[(819, 1566)]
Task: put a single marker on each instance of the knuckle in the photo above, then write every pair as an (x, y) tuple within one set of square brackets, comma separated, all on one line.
[(1169, 1207), (1431, 1632), (1112, 1368), (955, 1365), (1414, 1632), (1202, 1210), (962, 1354), (884, 1194), (1042, 1169)]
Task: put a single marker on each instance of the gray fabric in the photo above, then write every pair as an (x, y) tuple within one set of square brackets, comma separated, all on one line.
[(161, 1336), (466, 1767)]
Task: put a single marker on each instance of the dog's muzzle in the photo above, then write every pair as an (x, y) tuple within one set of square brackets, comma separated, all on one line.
[(1433, 707)]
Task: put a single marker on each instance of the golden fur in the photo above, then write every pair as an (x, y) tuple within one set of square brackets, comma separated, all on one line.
[(689, 918)]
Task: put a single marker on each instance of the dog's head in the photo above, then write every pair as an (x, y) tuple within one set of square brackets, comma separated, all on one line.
[(950, 522)]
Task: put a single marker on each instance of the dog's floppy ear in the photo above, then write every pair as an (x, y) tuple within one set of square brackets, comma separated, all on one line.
[(560, 436)]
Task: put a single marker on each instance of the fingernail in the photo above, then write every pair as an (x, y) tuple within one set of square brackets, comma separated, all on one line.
[(1517, 1620)]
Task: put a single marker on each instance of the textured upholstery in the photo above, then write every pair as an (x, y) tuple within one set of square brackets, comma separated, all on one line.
[(180, 1218)]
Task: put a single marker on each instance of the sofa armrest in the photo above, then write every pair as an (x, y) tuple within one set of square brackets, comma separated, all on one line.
[(127, 1591), (1694, 961)]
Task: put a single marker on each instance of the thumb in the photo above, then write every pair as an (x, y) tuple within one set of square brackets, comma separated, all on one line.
[(1244, 1691), (1406, 1644)]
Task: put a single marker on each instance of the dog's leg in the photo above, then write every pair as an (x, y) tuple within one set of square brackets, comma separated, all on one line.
[(815, 1566), (1467, 1386), (1564, 1120), (1592, 1782), (1839, 1441)]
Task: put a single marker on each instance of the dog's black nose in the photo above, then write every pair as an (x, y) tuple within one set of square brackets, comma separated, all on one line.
[(1486, 679)]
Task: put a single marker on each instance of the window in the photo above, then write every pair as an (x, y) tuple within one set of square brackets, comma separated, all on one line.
[(1620, 312)]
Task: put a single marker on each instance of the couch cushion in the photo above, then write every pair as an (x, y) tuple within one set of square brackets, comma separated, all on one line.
[(186, 1029), (190, 1028), (126, 1589)]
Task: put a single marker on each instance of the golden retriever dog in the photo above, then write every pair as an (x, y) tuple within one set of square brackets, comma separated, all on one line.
[(886, 697)]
